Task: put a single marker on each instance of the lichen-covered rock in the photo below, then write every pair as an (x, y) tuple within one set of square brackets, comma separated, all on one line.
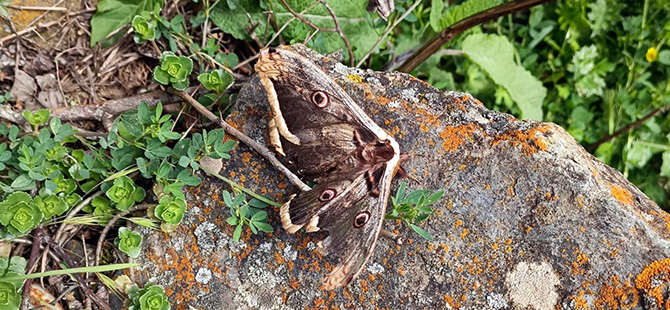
[(529, 219)]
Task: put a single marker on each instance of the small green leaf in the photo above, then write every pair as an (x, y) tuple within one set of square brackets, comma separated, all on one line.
[(237, 233), (421, 232)]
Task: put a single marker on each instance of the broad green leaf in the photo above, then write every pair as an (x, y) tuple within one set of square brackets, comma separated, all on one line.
[(113, 14), (665, 167), (495, 55), (436, 14), (455, 13)]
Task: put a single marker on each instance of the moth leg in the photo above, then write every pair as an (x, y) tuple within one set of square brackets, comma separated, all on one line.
[(274, 137), (276, 111), (391, 235)]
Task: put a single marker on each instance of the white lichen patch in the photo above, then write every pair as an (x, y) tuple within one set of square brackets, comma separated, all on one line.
[(203, 275), (290, 254), (496, 301), (394, 104), (409, 95), (533, 285), (375, 268)]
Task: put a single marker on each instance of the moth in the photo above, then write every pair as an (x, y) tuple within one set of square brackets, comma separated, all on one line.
[(331, 140)]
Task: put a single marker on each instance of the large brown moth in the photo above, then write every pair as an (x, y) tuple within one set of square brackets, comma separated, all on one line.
[(320, 128)]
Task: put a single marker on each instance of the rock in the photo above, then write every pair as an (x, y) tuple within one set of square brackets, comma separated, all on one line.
[(529, 219)]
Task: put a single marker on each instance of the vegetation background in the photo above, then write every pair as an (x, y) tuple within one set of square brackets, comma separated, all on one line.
[(598, 68)]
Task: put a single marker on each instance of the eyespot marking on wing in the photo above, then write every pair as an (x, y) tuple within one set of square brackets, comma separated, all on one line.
[(361, 218), (327, 195), (320, 99)]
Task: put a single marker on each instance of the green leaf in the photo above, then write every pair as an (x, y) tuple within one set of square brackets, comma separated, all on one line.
[(265, 227), (664, 57), (259, 216), (665, 167), (495, 55), (436, 14), (129, 242), (456, 13), (237, 233), (421, 232), (113, 14)]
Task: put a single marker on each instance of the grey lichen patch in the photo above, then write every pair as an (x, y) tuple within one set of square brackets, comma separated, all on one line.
[(210, 237), (533, 285), (203, 275)]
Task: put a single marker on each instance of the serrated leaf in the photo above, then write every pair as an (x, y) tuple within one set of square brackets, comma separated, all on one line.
[(495, 55)]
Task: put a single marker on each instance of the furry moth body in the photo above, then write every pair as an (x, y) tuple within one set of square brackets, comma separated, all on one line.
[(331, 140)]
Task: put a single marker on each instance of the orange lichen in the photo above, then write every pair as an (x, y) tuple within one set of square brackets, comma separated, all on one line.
[(615, 295), (455, 136), (621, 194), (527, 139), (653, 280)]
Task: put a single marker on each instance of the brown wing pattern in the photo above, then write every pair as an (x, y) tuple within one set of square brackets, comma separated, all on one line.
[(330, 139)]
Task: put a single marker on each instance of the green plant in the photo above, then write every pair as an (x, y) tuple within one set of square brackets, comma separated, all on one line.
[(412, 208), (124, 193), (151, 297), (173, 70), (246, 213), (6, 96), (216, 80), (145, 30), (18, 215), (129, 242), (170, 210), (10, 291)]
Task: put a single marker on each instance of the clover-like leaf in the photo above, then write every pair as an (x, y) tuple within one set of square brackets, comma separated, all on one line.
[(144, 30), (170, 210), (129, 242), (216, 80), (51, 205)]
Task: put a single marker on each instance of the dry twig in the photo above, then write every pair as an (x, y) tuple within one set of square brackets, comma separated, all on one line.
[(263, 151)]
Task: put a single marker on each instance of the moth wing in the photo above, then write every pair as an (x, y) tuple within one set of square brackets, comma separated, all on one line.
[(353, 218), (315, 110)]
